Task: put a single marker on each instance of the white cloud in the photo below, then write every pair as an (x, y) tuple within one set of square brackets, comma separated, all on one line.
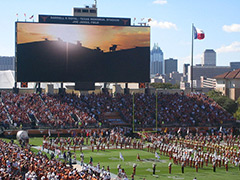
[(163, 24), (234, 47), (232, 28), (160, 2)]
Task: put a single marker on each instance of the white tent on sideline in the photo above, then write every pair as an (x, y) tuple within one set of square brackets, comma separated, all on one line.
[(7, 79)]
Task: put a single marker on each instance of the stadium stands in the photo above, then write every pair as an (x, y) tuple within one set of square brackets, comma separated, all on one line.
[(21, 163), (71, 111), (4, 119)]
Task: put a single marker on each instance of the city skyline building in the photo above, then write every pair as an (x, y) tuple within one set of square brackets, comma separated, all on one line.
[(170, 65), (185, 72), (156, 60), (235, 65), (206, 72), (209, 58), (185, 69), (7, 63)]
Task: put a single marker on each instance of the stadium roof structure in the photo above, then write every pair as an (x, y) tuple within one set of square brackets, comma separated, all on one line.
[(229, 75)]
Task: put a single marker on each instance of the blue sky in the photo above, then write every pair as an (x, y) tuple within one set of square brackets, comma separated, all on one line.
[(170, 26)]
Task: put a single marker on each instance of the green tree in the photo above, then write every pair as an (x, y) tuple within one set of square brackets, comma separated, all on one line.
[(238, 101), (225, 102), (213, 94), (229, 105), (176, 86), (237, 113), (165, 86)]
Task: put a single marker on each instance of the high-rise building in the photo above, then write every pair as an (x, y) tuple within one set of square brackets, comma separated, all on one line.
[(209, 58), (185, 69), (185, 72), (235, 65), (157, 63), (7, 63), (171, 65), (206, 72)]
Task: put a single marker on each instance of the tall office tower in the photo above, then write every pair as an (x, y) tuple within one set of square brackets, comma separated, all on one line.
[(209, 58), (156, 64), (185, 72), (185, 69), (7, 63), (170, 65), (235, 65)]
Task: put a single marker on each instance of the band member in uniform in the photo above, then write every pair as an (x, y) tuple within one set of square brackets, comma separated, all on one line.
[(182, 165), (196, 166), (154, 168), (138, 157), (226, 165), (134, 169), (214, 167), (170, 168)]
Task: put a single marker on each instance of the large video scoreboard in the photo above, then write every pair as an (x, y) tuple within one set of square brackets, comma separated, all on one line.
[(76, 52)]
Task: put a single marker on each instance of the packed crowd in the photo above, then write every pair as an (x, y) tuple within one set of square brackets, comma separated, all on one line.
[(21, 163), (18, 107), (69, 110), (190, 110), (4, 120), (208, 111), (45, 110)]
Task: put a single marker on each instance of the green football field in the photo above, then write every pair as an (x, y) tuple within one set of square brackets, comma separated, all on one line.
[(144, 167), (111, 158)]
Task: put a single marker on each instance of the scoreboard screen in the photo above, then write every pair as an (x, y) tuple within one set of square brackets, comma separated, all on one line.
[(82, 53)]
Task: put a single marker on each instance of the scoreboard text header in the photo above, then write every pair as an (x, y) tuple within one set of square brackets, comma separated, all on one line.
[(85, 20)]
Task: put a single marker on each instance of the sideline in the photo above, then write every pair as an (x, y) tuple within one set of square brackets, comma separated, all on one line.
[(77, 165)]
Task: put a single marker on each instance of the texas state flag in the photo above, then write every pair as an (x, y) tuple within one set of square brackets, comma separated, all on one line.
[(198, 33)]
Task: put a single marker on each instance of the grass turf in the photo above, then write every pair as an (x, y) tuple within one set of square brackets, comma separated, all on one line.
[(144, 168)]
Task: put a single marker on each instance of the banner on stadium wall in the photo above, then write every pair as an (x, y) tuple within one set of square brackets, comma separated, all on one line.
[(85, 20)]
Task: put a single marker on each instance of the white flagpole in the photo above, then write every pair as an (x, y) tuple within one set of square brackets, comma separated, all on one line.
[(192, 62)]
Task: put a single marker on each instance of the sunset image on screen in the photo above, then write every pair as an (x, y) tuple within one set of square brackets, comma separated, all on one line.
[(90, 36)]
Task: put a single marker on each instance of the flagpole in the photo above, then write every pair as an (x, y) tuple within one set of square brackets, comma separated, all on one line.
[(192, 62)]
